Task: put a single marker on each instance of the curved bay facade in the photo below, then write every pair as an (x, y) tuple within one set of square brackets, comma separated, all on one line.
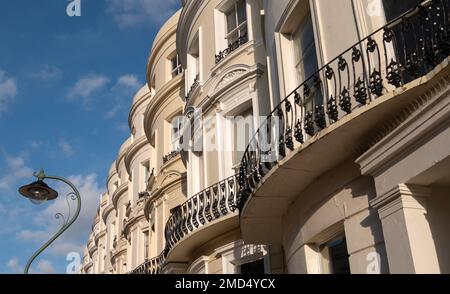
[(288, 136)]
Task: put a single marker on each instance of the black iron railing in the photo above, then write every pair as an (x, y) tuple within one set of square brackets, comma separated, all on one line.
[(231, 47), (193, 87), (170, 156), (150, 267), (210, 204), (406, 48)]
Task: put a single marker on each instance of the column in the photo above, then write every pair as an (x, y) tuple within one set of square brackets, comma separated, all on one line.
[(408, 239)]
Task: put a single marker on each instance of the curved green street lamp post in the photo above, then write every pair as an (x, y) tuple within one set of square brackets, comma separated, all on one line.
[(39, 192)]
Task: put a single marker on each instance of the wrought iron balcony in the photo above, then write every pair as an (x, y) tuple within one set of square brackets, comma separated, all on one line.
[(201, 209), (205, 207), (193, 87), (170, 156), (151, 266), (405, 49), (232, 47)]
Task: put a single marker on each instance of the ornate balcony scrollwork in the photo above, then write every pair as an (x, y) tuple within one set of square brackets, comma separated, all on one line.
[(170, 156), (232, 47), (406, 48), (151, 266), (203, 208)]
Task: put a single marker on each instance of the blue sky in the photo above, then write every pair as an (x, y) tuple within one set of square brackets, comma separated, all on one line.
[(66, 84)]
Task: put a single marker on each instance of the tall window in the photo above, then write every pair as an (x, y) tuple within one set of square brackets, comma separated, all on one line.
[(335, 259), (146, 170), (242, 133), (175, 66), (176, 133), (146, 239), (193, 63), (236, 21), (305, 49), (395, 8)]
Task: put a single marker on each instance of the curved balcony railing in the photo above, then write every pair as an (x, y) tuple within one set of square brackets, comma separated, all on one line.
[(170, 156), (231, 48), (150, 267), (203, 208), (406, 48)]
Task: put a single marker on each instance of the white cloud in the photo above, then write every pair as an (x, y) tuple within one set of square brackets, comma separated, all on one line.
[(47, 73), (8, 91), (86, 86), (113, 111), (132, 13), (44, 267), (13, 265), (65, 147), (127, 82), (123, 127), (16, 171), (124, 88), (34, 236), (36, 144)]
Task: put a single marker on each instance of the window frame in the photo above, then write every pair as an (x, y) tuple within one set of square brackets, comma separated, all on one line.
[(327, 263), (300, 60), (176, 136), (239, 28), (178, 69)]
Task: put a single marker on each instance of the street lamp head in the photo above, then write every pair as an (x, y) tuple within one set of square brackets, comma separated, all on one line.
[(38, 191)]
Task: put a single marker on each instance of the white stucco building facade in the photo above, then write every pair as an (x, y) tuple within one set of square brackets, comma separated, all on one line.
[(340, 165)]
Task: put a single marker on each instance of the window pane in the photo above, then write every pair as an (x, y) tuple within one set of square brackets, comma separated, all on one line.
[(243, 31), (231, 20), (395, 8), (253, 268), (241, 12), (174, 63), (233, 37), (305, 50), (309, 64), (339, 256)]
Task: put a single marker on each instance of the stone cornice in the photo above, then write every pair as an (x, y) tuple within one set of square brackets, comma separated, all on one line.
[(401, 197), (88, 265), (132, 150), (160, 191), (108, 209), (410, 126), (189, 14), (118, 193), (117, 253), (398, 191), (99, 235), (111, 174), (137, 214), (158, 100), (220, 90), (164, 34), (144, 98), (92, 250)]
